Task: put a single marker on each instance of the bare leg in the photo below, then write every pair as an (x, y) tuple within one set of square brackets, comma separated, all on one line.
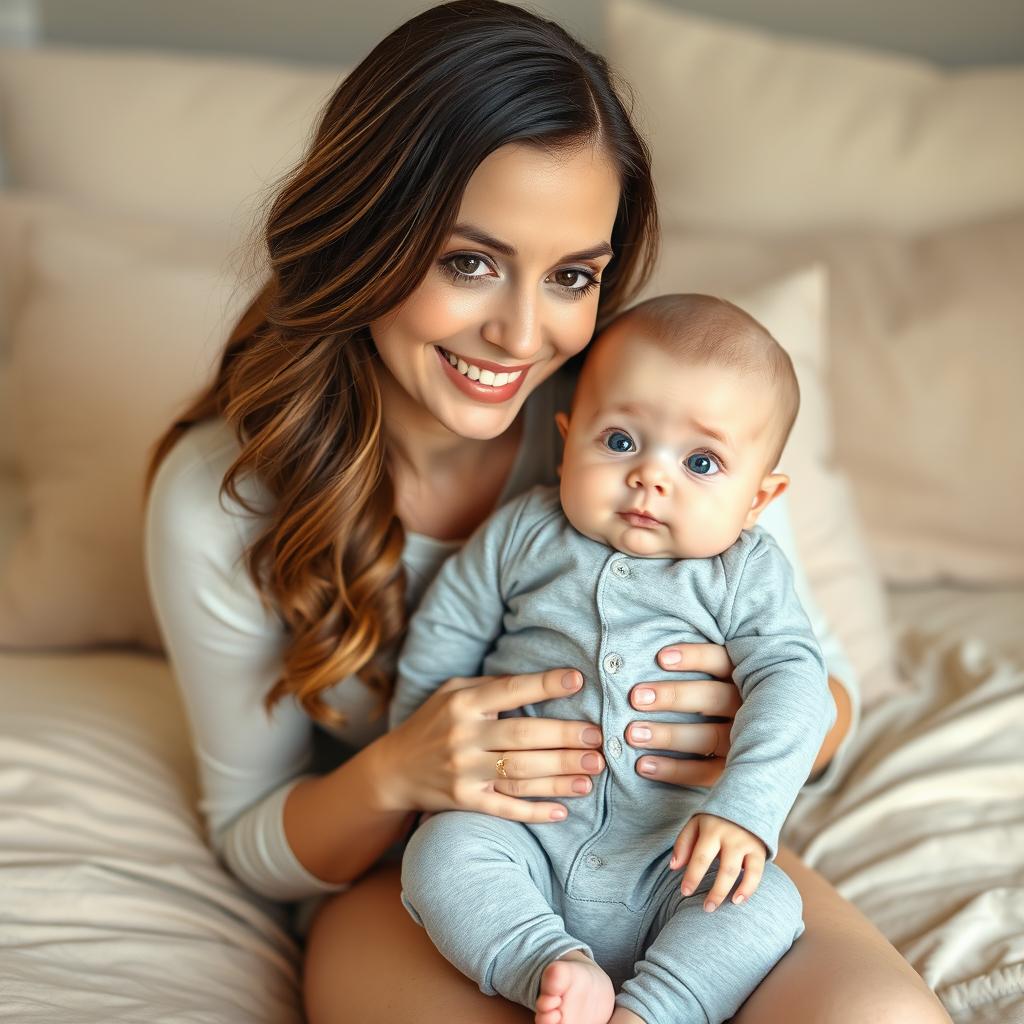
[(368, 961), (624, 1016), (842, 969)]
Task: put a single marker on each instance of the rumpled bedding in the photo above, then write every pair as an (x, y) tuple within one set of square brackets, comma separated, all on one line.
[(113, 909), (926, 832)]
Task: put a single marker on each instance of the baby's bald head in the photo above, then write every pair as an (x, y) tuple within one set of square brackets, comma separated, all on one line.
[(704, 330)]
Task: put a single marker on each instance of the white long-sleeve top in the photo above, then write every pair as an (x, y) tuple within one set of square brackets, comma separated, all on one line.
[(225, 650)]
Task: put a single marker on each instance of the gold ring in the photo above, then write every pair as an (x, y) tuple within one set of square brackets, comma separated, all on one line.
[(500, 765)]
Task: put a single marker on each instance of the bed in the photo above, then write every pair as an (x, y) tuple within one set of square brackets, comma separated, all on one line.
[(893, 207)]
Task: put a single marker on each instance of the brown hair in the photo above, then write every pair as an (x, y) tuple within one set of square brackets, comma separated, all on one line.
[(350, 233)]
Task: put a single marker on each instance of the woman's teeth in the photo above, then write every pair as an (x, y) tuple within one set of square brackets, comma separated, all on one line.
[(495, 380)]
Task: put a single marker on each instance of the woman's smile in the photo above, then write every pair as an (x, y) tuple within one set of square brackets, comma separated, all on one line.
[(482, 380)]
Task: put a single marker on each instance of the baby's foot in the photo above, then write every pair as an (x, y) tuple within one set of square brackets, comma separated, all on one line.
[(574, 990)]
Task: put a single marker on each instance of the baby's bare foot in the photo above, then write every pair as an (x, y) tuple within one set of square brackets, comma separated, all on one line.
[(574, 990)]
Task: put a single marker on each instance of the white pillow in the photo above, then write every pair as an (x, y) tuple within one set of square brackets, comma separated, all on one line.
[(758, 132), (828, 535), (926, 361), (120, 324)]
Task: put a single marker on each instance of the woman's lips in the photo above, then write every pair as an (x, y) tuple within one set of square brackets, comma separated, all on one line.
[(482, 392), (641, 519)]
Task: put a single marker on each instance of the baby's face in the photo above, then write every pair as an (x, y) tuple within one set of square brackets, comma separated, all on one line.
[(665, 459)]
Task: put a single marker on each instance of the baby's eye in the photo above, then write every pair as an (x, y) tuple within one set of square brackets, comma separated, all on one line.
[(702, 464), (619, 441)]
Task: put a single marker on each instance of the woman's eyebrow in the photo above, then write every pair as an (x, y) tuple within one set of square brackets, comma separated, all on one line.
[(475, 234)]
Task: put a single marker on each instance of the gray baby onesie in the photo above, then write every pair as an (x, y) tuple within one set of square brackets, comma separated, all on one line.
[(501, 899)]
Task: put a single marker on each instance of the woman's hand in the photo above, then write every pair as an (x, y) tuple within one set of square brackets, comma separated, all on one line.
[(716, 697), (444, 755)]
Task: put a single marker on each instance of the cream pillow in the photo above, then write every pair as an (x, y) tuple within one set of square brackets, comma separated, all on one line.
[(926, 362), (120, 323), (828, 535), (754, 131), (16, 213), (187, 139)]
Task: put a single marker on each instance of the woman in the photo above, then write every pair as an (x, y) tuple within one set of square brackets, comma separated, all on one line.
[(474, 201)]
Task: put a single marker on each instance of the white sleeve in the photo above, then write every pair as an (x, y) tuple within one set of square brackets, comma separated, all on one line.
[(225, 651), (775, 519)]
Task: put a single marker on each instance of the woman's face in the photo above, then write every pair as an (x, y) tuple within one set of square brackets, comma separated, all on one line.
[(511, 294)]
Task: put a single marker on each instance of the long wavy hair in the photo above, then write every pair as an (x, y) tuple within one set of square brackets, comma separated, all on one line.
[(350, 232)]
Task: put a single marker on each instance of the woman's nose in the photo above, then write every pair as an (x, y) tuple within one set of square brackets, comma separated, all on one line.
[(515, 327)]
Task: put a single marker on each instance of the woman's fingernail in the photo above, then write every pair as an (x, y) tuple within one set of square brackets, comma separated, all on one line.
[(709, 906), (647, 765), (558, 812), (571, 680), (592, 735), (641, 732), (739, 898), (671, 657), (644, 697), (581, 786)]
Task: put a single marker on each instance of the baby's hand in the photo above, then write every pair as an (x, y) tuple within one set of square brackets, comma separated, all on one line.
[(706, 836)]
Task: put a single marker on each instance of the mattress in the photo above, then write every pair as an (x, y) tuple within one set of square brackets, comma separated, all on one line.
[(115, 909)]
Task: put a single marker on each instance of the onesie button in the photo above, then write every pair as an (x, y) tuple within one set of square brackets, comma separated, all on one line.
[(614, 746), (593, 861), (621, 569), (612, 663)]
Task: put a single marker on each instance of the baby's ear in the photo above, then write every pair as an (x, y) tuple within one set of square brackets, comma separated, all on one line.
[(771, 487), (562, 422)]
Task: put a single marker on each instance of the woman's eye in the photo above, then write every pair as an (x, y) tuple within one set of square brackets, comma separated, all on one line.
[(468, 266), (702, 464), (618, 441), (573, 280)]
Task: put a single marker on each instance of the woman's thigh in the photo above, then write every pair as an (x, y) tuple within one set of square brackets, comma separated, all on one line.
[(842, 969), (368, 961)]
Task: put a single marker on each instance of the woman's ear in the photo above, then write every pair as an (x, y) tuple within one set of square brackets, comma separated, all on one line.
[(771, 487)]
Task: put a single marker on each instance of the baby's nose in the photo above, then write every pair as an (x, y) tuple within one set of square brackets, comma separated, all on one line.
[(650, 474)]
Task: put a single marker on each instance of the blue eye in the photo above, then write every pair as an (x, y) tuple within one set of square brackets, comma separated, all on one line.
[(619, 441), (702, 464)]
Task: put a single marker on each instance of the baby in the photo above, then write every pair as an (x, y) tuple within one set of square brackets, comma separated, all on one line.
[(679, 417)]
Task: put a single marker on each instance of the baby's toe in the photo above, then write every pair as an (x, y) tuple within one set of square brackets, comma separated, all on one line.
[(546, 1001), (555, 979)]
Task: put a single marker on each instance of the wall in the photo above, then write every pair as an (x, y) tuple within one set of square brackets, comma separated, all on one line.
[(951, 32)]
